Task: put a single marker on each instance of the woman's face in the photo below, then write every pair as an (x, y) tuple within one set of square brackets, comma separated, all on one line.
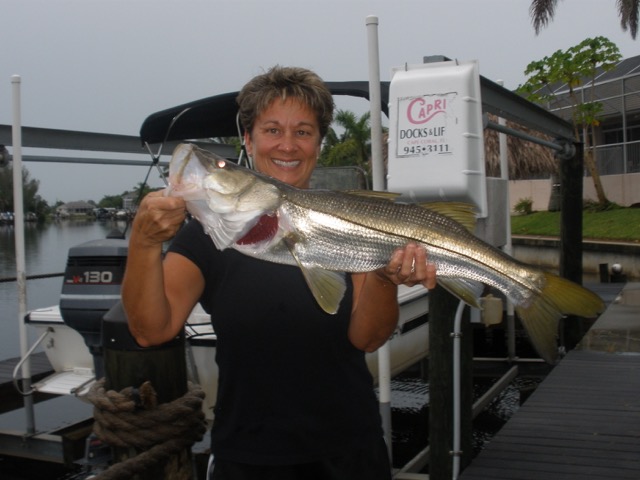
[(285, 142)]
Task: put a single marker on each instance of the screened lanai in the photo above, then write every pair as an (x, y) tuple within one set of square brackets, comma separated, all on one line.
[(617, 138)]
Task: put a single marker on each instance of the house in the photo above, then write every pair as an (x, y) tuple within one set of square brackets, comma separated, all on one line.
[(129, 200), (616, 138), (75, 208)]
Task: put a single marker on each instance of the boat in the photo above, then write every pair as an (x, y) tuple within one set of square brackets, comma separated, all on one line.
[(75, 367)]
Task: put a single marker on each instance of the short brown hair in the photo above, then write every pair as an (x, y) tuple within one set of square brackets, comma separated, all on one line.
[(285, 82)]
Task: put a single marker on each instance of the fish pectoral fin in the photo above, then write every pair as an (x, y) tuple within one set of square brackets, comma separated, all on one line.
[(326, 286), (466, 290)]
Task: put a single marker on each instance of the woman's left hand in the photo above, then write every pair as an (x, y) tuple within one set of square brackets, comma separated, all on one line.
[(409, 266)]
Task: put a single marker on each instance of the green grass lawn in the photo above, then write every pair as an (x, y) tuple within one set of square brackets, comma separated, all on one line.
[(619, 224)]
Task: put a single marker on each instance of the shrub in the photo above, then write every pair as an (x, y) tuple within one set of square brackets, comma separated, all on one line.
[(593, 206), (524, 206)]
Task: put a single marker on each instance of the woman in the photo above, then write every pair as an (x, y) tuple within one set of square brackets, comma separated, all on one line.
[(295, 398)]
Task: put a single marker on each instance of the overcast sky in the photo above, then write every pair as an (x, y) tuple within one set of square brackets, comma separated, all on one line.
[(105, 65)]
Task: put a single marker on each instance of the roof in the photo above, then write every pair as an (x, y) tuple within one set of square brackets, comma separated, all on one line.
[(616, 90), (625, 68)]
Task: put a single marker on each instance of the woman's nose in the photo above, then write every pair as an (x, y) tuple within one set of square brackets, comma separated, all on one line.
[(288, 143)]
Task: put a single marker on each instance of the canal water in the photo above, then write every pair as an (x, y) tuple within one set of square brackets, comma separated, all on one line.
[(46, 249), (46, 253)]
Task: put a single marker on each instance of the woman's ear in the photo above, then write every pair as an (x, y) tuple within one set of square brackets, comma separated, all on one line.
[(247, 143)]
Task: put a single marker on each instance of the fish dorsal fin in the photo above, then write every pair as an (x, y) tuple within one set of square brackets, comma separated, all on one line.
[(327, 287), (463, 213)]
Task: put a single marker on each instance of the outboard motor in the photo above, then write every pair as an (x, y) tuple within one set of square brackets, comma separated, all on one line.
[(92, 281)]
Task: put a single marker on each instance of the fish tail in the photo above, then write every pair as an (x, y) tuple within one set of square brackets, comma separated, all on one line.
[(558, 297)]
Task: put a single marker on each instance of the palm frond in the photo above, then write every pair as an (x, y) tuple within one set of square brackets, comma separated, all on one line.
[(542, 12), (628, 12)]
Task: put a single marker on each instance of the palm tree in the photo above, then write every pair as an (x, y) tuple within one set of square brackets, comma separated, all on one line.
[(542, 12), (353, 146), (140, 190)]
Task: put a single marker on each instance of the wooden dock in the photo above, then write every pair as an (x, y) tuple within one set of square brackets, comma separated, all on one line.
[(583, 421)]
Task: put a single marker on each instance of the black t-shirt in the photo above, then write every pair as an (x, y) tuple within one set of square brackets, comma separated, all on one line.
[(292, 388)]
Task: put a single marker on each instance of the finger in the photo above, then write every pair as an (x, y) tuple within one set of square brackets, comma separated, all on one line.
[(420, 263), (408, 264), (431, 280), (395, 263)]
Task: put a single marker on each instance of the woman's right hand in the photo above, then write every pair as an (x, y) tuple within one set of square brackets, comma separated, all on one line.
[(158, 219)]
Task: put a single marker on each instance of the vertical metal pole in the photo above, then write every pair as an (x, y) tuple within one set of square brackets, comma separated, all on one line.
[(443, 310), (384, 359), (457, 395), (18, 208), (375, 99), (508, 247), (571, 184)]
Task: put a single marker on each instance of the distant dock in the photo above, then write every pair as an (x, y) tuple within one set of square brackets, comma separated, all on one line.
[(583, 421)]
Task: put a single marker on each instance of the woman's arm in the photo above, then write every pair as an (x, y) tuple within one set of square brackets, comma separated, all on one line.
[(158, 294)]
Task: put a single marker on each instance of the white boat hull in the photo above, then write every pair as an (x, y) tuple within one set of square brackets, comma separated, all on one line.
[(73, 363)]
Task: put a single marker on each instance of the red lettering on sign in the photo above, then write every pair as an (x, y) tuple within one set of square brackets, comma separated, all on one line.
[(419, 111)]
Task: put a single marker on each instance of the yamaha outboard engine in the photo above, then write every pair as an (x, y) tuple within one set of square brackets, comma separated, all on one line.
[(91, 287)]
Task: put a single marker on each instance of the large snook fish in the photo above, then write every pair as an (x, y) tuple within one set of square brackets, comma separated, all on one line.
[(326, 233)]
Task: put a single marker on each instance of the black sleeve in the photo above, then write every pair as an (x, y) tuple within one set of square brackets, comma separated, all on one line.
[(193, 243)]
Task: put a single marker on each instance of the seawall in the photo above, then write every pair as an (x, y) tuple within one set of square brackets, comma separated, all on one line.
[(545, 252)]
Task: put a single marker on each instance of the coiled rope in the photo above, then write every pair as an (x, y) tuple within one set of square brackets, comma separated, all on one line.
[(132, 418)]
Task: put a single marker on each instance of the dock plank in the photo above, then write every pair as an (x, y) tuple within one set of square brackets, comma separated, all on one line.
[(582, 422)]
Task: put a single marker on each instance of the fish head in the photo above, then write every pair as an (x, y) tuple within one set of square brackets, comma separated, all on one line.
[(191, 167), (227, 199)]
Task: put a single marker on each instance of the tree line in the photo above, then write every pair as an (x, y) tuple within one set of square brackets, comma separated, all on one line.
[(35, 204)]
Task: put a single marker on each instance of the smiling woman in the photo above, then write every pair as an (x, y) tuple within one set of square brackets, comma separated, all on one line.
[(271, 332)]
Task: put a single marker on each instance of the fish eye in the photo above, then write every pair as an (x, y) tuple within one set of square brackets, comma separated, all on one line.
[(221, 164)]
